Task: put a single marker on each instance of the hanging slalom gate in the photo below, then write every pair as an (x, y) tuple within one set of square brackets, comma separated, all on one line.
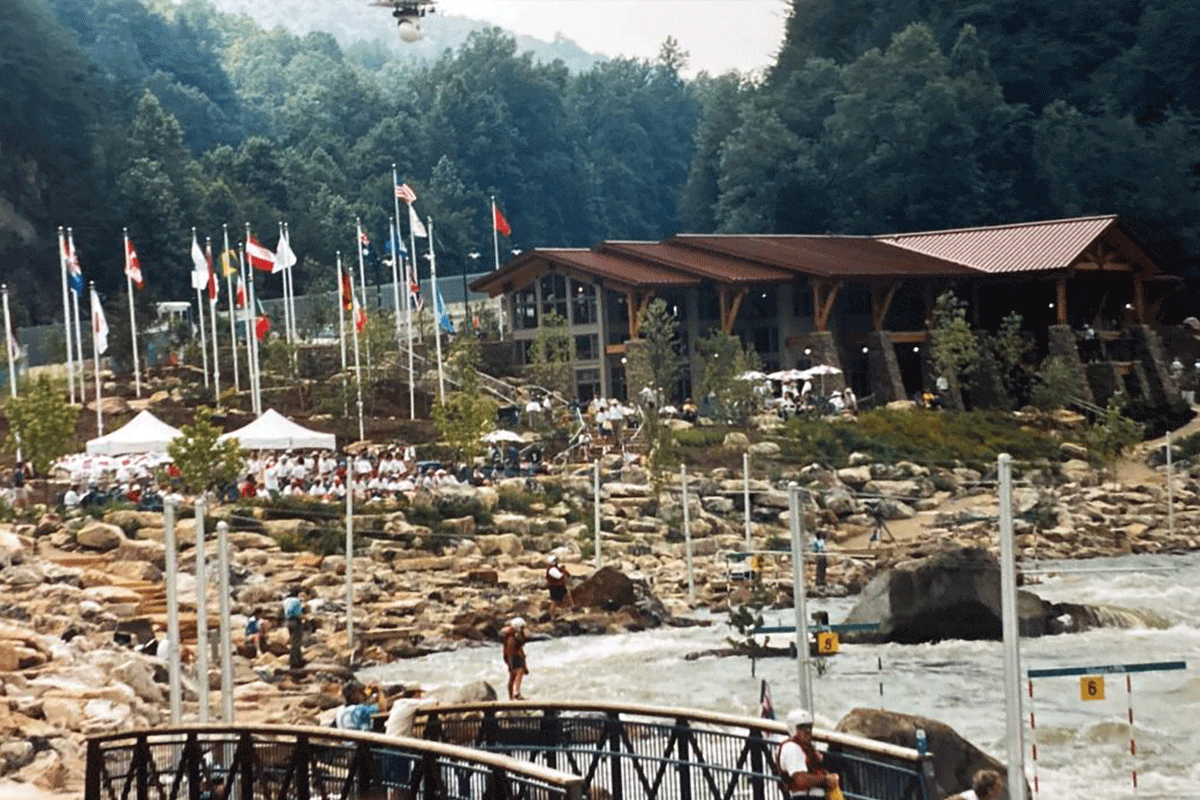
[(1092, 687)]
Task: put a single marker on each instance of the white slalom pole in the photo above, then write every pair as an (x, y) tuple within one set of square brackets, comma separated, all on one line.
[(12, 362), (62, 263), (350, 564), (746, 498), (799, 598), (437, 322), (201, 617), (596, 508), (237, 382), (687, 533), (212, 315), (341, 309), (96, 362), (78, 331), (224, 624), (1170, 488), (357, 361), (1012, 635), (137, 372), (173, 681)]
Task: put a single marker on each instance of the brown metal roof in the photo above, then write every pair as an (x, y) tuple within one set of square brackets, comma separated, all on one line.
[(827, 256), (633, 272), (709, 265), (1026, 247)]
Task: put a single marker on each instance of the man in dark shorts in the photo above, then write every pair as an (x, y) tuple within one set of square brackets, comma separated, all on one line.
[(556, 583), (513, 637)]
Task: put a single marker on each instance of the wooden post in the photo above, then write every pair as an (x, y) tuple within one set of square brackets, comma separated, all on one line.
[(1061, 299), (1139, 297)]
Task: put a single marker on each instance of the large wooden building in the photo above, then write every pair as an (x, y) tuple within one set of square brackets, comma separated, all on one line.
[(862, 303)]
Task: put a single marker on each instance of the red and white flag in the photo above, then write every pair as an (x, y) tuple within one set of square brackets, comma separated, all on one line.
[(99, 324), (260, 257), (133, 267), (360, 317), (240, 292), (403, 192)]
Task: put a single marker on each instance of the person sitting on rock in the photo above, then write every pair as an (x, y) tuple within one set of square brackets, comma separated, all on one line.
[(986, 785), (556, 583), (799, 762)]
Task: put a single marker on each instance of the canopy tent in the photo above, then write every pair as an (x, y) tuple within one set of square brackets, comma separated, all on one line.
[(145, 433), (273, 431)]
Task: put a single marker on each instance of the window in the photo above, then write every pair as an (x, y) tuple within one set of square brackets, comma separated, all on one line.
[(617, 382), (587, 347), (554, 295), (525, 309), (583, 304), (526, 351), (587, 384)]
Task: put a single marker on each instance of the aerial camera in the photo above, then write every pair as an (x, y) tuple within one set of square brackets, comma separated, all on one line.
[(408, 14)]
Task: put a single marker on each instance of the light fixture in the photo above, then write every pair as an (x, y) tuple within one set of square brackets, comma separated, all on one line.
[(624, 360), (516, 251), (808, 351), (916, 348), (1050, 305), (866, 349), (1129, 306), (473, 255)]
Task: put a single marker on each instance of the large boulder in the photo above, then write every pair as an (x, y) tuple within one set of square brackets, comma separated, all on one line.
[(100, 536), (951, 595), (955, 760), (609, 589)]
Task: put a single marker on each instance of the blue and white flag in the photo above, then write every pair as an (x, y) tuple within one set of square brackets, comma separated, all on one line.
[(439, 310)]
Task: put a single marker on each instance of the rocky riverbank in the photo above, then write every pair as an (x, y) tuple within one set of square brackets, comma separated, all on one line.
[(81, 597)]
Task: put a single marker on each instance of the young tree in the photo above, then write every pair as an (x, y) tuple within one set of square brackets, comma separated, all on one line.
[(204, 463), (1113, 433), (42, 421), (1056, 385), (551, 355), (953, 348), (655, 363), (466, 414), (724, 360)]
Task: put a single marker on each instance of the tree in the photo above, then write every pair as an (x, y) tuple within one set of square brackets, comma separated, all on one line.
[(953, 348), (466, 414), (655, 362), (42, 422), (203, 462), (1056, 385), (724, 360), (551, 355), (1113, 433)]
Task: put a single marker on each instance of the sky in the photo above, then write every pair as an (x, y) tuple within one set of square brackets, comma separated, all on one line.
[(720, 35)]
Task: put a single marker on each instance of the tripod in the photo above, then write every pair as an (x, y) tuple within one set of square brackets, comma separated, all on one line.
[(880, 531)]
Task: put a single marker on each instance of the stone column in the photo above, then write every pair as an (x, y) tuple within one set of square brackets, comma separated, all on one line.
[(1147, 350), (883, 369), (1062, 346), (824, 351)]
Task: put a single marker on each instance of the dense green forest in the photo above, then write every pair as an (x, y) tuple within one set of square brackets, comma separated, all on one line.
[(879, 115)]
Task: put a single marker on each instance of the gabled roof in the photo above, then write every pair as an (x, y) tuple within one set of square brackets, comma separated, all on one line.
[(1025, 247), (710, 265)]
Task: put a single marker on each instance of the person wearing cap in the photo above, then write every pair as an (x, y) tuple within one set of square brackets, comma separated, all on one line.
[(362, 704), (556, 583), (513, 637), (799, 763), (985, 785)]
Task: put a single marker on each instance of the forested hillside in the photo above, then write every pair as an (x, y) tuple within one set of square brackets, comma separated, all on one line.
[(880, 115)]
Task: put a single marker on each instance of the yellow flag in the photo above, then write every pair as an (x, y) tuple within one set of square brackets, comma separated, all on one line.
[(229, 263)]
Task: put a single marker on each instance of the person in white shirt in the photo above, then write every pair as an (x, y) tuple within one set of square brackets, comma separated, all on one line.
[(406, 485), (799, 762), (363, 465), (71, 498), (985, 785), (326, 465), (317, 489), (271, 478)]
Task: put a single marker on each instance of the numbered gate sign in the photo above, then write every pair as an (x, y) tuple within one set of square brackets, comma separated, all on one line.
[(1091, 687), (827, 643)]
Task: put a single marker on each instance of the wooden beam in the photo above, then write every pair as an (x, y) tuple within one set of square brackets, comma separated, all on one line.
[(1060, 301), (1139, 297), (640, 310), (731, 316), (908, 337), (881, 303), (825, 308), (631, 312), (723, 304)]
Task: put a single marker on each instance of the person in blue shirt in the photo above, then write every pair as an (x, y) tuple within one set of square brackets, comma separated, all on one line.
[(293, 617), (818, 546), (362, 704)]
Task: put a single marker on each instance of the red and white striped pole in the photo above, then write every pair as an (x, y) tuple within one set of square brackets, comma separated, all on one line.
[(1132, 743), (1033, 739)]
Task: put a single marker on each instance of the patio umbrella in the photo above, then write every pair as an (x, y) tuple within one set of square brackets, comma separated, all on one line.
[(821, 370), (498, 436), (752, 375), (787, 375)]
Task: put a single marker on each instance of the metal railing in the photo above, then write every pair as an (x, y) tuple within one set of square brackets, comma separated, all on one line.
[(631, 751), (212, 762)]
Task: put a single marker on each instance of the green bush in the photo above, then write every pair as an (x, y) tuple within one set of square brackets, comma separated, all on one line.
[(701, 437)]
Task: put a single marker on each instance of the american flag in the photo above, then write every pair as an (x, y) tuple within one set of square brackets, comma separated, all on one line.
[(404, 193)]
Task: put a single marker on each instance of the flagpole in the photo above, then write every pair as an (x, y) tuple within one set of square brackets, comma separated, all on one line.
[(78, 329), (412, 391), (341, 309), (12, 365), (243, 268), (398, 236), (437, 322), (496, 254), (362, 276), (96, 362), (62, 263), (252, 342), (200, 311), (237, 382), (396, 282), (212, 315), (137, 372), (357, 362), (287, 310), (287, 230)]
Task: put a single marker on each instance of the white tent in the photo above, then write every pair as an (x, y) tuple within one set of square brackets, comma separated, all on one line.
[(273, 431), (145, 433)]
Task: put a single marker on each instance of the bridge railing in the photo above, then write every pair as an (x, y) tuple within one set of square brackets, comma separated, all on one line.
[(239, 762), (632, 752)]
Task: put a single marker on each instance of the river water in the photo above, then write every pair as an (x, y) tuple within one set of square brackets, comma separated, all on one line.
[(1083, 747)]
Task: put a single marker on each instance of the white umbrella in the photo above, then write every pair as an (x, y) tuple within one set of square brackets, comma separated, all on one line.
[(821, 369), (495, 437), (788, 375), (752, 375)]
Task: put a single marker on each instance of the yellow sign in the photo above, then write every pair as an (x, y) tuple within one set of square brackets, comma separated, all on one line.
[(1091, 687), (827, 643)]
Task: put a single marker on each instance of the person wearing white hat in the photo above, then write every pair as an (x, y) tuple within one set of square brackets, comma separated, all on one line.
[(513, 637), (799, 762), (556, 583)]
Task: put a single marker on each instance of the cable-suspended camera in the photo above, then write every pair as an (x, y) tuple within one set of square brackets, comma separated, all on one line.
[(408, 14)]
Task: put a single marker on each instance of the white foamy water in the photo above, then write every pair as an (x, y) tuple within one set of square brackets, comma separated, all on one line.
[(1083, 747)]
